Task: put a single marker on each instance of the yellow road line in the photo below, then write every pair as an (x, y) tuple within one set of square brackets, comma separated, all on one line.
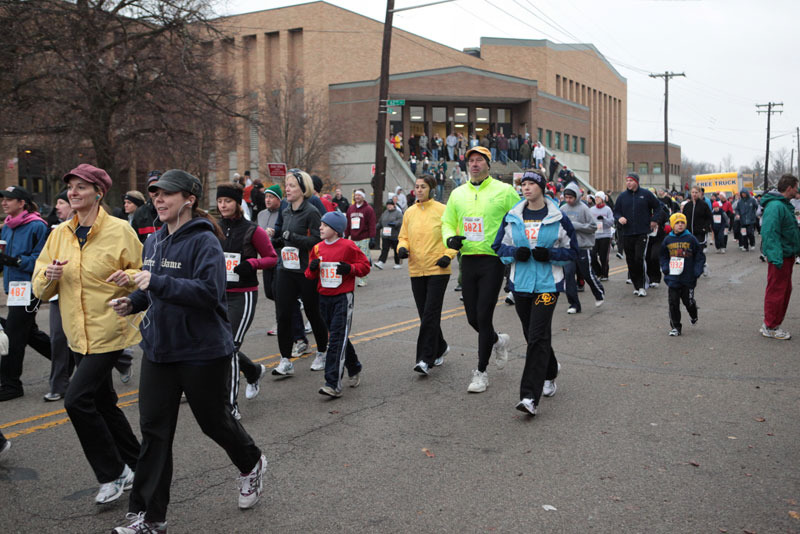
[(50, 424)]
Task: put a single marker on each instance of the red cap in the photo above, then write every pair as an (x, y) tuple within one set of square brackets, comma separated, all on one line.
[(91, 174)]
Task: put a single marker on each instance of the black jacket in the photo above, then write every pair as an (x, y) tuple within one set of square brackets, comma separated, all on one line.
[(303, 228), (640, 208), (698, 218), (145, 220)]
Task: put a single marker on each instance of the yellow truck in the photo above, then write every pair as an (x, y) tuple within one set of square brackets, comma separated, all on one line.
[(727, 182)]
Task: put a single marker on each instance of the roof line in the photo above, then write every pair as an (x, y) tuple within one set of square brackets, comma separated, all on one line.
[(436, 72)]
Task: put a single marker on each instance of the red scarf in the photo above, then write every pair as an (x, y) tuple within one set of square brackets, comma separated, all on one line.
[(23, 218)]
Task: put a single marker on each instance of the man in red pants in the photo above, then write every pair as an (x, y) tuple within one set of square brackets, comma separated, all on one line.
[(780, 243)]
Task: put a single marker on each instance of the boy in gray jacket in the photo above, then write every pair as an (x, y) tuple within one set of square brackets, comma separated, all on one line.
[(585, 227)]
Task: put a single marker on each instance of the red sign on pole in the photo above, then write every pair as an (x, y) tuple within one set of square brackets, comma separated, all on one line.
[(372, 170), (276, 170)]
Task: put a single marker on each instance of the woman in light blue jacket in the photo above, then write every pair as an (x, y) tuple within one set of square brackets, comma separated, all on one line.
[(537, 240)]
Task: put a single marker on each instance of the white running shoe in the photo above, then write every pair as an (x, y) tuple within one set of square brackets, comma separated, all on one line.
[(572, 310), (629, 281), (251, 391), (355, 380), (674, 332), (252, 484), (479, 382), (440, 360), (509, 298), (654, 284), (319, 362), (300, 348), (273, 331), (775, 333), (362, 283), (379, 265), (549, 388), (599, 303), (4, 449), (422, 368), (723, 251), (527, 406), (397, 266), (643, 292), (284, 368), (329, 391), (111, 491), (500, 349), (140, 525)]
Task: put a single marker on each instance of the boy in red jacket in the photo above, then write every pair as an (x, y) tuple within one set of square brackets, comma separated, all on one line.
[(335, 263)]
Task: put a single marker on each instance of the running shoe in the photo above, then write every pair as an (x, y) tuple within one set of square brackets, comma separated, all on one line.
[(775, 333), (527, 406), (500, 349), (797, 261), (509, 298), (599, 303), (52, 397), (140, 525), (252, 484), (674, 332), (629, 281), (300, 348), (422, 368), (273, 331), (642, 292), (572, 310), (125, 376), (440, 360), (4, 449), (355, 380), (236, 414), (319, 362), (397, 266), (111, 491), (307, 327), (619, 255), (549, 388), (379, 265), (742, 249), (723, 251), (654, 284), (457, 288), (329, 391), (362, 283), (604, 279), (693, 320), (479, 382), (284, 368), (251, 391)]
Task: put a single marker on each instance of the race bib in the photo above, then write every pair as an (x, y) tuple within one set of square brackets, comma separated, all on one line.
[(473, 228), (726, 231), (387, 231), (19, 293), (599, 227), (327, 274), (355, 223), (290, 257), (676, 265), (232, 259), (743, 231), (532, 232), (717, 219)]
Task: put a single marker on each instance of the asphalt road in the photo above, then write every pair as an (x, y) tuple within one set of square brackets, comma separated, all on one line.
[(646, 433)]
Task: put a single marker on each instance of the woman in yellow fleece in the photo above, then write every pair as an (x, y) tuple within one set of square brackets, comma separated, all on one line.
[(420, 241), (89, 261)]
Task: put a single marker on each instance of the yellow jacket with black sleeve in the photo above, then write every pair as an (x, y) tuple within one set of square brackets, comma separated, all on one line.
[(91, 326), (484, 208), (421, 235)]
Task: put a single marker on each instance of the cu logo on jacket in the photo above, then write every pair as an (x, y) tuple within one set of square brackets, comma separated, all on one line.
[(548, 299)]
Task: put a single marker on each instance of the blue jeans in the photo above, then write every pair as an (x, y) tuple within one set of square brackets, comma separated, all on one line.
[(451, 152), (494, 153), (337, 312), (439, 192), (525, 164), (504, 156), (435, 154)]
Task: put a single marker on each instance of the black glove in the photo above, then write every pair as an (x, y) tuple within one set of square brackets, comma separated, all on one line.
[(244, 269), (314, 264), (541, 254), (456, 242), (522, 254), (443, 262), (287, 235), (11, 261), (402, 253), (343, 269), (277, 243)]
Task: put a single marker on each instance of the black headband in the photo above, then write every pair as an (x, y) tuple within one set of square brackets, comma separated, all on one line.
[(137, 201), (299, 178), (230, 192)]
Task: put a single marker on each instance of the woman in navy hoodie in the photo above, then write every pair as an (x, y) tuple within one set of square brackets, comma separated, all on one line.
[(188, 345)]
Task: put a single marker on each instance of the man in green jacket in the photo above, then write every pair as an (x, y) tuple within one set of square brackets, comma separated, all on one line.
[(470, 222), (780, 243)]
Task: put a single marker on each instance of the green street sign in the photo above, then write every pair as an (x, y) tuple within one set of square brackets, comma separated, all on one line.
[(395, 102)]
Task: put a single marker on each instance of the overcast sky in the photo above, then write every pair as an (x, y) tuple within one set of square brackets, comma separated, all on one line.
[(735, 54)]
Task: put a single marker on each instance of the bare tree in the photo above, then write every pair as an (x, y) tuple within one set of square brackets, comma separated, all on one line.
[(726, 165)]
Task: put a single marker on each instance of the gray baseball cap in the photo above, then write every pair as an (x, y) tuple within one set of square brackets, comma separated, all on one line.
[(175, 180)]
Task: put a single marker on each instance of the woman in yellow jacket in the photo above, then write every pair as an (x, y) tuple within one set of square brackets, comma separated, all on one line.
[(421, 242), (90, 261)]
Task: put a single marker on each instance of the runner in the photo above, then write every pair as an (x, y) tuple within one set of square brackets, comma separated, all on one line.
[(420, 240), (698, 218), (88, 261), (719, 225), (24, 234), (682, 261), (360, 225), (145, 219), (585, 227), (537, 240), (603, 236), (187, 345), (335, 263), (244, 242), (390, 222), (470, 222), (745, 214), (299, 233)]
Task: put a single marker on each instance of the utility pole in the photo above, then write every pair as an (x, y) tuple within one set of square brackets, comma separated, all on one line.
[(769, 113), (798, 150), (666, 76)]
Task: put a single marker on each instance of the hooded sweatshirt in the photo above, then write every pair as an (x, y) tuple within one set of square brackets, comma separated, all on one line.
[(780, 236), (746, 209), (605, 217), (25, 236), (186, 316), (686, 246), (581, 218)]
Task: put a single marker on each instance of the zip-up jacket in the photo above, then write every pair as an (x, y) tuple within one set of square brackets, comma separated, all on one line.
[(187, 318), (582, 221), (780, 236), (698, 218), (341, 250), (556, 234), (366, 226), (686, 246), (746, 210), (421, 236), (304, 227), (723, 223), (91, 326), (251, 241), (145, 220), (606, 216), (26, 242), (491, 200), (392, 219), (640, 208)]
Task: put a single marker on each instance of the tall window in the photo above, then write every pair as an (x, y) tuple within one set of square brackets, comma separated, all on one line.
[(549, 139), (657, 168), (574, 143), (566, 142), (630, 166), (481, 121), (643, 168), (439, 116), (583, 145), (558, 140), (540, 138)]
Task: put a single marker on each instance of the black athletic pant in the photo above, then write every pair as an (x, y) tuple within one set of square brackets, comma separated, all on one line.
[(103, 430), (429, 296), (388, 243), (653, 260), (535, 311), (721, 238), (482, 278), (337, 312), (62, 361), (748, 240), (600, 255), (635, 247), (160, 388), (289, 286), (21, 329), (241, 310), (676, 296)]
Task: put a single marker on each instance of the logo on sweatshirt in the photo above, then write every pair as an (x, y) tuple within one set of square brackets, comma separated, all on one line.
[(548, 299), (165, 263)]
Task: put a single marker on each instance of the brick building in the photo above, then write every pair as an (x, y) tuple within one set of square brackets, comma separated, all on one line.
[(646, 158)]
